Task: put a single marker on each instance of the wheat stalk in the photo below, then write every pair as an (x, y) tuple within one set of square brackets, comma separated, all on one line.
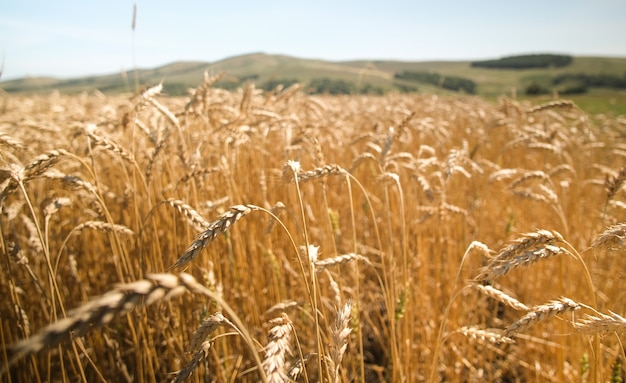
[(103, 309)]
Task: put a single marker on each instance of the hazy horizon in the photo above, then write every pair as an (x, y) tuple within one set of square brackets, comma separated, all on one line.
[(75, 39)]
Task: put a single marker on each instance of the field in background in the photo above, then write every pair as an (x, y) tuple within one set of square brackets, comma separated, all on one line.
[(378, 75), (395, 238)]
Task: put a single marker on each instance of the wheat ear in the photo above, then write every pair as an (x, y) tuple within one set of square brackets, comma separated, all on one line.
[(339, 260), (213, 230), (339, 339), (529, 248), (602, 323), (540, 313), (494, 336), (200, 346), (193, 217), (501, 296), (291, 170), (611, 238), (201, 354), (277, 349)]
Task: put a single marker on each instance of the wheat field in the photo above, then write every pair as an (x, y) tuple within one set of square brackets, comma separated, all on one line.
[(278, 236)]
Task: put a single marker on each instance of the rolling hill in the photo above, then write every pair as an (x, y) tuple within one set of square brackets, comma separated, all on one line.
[(358, 76)]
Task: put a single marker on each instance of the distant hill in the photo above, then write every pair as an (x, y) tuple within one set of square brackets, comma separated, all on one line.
[(359, 76)]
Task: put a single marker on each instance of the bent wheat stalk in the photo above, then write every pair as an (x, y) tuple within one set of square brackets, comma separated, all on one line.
[(120, 300)]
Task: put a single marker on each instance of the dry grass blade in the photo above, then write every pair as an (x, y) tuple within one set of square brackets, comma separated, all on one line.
[(541, 313), (530, 248), (213, 230), (602, 323), (277, 349)]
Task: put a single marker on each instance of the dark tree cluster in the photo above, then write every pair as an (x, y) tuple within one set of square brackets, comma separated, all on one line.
[(591, 80), (525, 62), (577, 83), (274, 83), (455, 83), (336, 87)]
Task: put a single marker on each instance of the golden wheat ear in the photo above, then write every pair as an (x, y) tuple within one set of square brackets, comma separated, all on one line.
[(213, 230), (102, 310)]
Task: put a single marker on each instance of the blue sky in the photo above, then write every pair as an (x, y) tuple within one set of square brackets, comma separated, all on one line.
[(77, 38)]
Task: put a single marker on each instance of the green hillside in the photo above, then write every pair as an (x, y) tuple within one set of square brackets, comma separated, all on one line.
[(373, 76)]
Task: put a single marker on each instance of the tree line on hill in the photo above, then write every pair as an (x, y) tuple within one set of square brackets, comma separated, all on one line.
[(536, 61), (321, 85), (576, 83), (454, 83)]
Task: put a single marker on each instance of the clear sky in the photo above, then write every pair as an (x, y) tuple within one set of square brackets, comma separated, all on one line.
[(66, 38)]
